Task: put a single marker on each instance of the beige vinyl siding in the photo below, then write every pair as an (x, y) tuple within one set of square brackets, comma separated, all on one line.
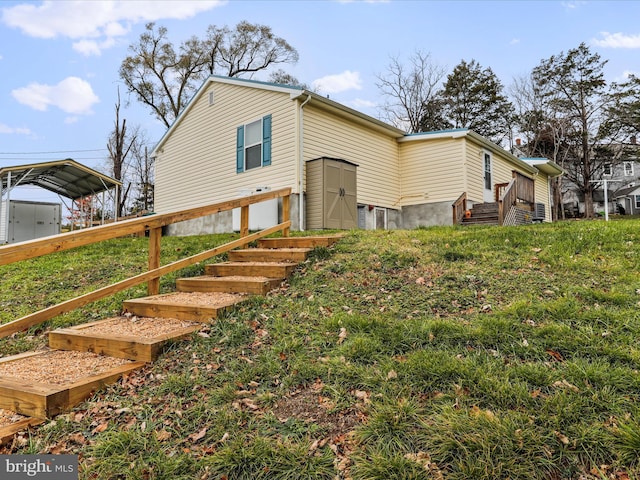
[(502, 172), (376, 154), (542, 193), (501, 169), (197, 164), (432, 170)]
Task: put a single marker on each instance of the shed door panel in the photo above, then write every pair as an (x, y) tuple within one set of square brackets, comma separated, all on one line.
[(333, 195), (349, 198)]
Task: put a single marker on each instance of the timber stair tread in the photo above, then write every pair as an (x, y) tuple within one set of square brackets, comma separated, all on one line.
[(272, 254), (249, 269), (249, 272), (483, 214)]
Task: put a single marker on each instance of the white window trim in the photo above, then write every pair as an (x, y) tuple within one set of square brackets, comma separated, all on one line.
[(630, 165), (637, 200), (375, 217), (247, 146)]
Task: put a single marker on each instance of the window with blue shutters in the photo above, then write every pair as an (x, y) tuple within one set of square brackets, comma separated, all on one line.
[(253, 144)]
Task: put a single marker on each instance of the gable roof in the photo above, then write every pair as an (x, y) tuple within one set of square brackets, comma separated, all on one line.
[(298, 93), (483, 142), (623, 192), (295, 93), (64, 177)]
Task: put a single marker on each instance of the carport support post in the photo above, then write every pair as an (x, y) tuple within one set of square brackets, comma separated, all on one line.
[(155, 235)]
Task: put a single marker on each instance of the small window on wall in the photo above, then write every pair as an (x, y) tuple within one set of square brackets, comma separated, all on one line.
[(381, 218), (487, 172), (628, 169), (253, 144), (606, 169), (637, 201)]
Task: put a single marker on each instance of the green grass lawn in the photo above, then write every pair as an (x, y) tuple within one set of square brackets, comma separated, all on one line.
[(444, 353)]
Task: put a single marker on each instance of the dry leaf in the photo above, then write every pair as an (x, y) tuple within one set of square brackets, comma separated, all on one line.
[(392, 375), (420, 281), (342, 335), (562, 438), (565, 384), (101, 428), (194, 437), (555, 355), (163, 435)]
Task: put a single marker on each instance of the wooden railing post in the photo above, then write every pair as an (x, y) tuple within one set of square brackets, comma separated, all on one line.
[(286, 205), (155, 236), (244, 221)]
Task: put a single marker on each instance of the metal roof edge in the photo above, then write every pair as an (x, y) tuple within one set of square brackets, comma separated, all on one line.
[(66, 161), (226, 80), (334, 106)]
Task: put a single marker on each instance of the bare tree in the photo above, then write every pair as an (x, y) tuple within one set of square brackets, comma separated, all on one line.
[(165, 78), (247, 49), (411, 91), (119, 145), (160, 77), (142, 176)]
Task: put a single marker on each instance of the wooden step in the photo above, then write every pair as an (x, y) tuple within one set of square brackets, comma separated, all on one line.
[(269, 255), (299, 242), (255, 285), (251, 269), (22, 394), (200, 306), (8, 432), (134, 338)]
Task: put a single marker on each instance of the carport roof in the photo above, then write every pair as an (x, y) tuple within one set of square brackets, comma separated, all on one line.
[(64, 177)]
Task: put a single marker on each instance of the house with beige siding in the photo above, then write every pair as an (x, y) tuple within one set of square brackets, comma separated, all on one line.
[(346, 169)]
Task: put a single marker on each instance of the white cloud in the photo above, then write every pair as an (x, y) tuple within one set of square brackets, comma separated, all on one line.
[(572, 5), (103, 21), (617, 40), (514, 41), (340, 82), (72, 95), (6, 129), (361, 103), (70, 120)]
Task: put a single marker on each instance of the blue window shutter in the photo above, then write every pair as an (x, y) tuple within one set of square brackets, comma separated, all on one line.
[(240, 150), (266, 140)]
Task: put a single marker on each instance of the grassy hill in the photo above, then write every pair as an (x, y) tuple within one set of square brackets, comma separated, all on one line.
[(441, 353)]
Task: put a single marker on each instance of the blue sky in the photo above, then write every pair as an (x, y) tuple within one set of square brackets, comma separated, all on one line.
[(59, 60)]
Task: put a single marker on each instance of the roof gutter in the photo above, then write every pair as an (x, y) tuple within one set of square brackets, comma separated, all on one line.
[(301, 168)]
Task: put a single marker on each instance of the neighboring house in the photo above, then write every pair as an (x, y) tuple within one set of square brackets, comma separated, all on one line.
[(238, 136), (621, 174), (627, 200)]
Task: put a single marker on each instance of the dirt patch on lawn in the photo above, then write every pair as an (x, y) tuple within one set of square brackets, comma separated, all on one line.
[(310, 406)]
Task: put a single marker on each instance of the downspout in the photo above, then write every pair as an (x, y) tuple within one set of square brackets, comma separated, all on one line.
[(301, 169)]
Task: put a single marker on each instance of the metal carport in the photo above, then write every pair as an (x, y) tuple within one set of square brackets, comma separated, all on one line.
[(67, 178)]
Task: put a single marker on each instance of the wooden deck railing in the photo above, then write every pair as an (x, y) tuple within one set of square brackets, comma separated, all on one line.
[(459, 207), (507, 200), (153, 224), (525, 191)]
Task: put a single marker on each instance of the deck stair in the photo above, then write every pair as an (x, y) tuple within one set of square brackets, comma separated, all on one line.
[(483, 214), (248, 271)]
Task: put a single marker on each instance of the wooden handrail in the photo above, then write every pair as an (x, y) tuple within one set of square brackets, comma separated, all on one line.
[(36, 248), (459, 207)]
